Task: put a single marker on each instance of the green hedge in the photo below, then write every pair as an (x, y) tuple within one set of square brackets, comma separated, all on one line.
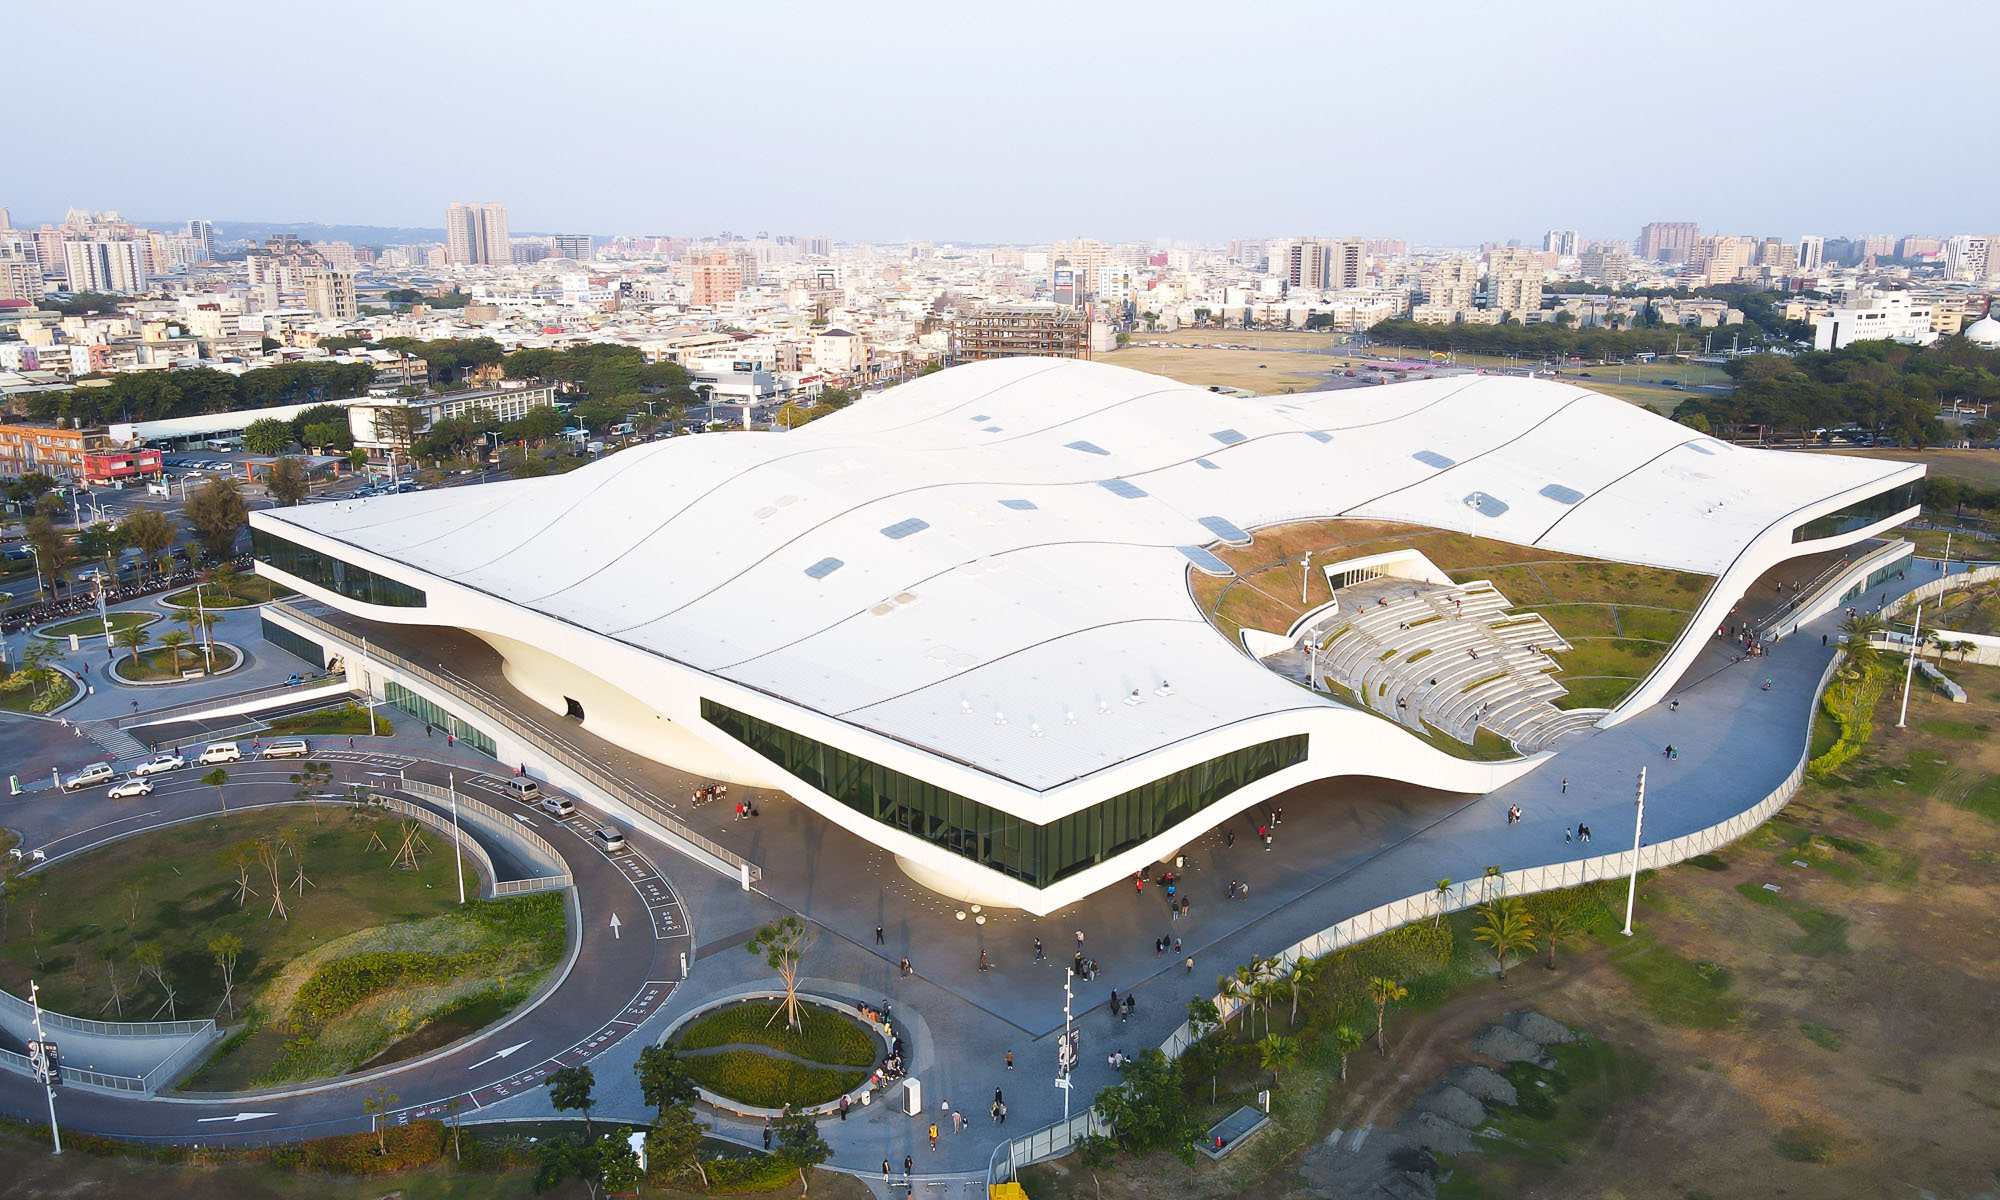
[(1849, 702), (749, 1077), (826, 1037)]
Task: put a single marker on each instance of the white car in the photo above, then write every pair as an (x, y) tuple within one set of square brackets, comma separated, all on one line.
[(90, 776), (132, 787), (159, 766)]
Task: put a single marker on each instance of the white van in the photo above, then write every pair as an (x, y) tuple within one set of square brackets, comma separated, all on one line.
[(221, 752), (287, 748), (523, 789)]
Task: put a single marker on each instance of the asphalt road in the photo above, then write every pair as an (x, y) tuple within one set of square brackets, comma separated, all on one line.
[(618, 977)]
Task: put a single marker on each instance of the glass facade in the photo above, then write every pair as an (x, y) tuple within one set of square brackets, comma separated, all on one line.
[(423, 710), (1038, 854), (295, 644), (1860, 514), (333, 574)]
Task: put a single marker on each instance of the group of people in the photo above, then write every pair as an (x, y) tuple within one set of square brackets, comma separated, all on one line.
[(713, 791), (1238, 890), (1514, 814)]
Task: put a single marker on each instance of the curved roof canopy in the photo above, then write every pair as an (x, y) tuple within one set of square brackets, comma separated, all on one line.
[(1005, 540)]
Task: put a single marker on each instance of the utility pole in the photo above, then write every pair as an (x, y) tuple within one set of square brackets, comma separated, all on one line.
[(1638, 832), (1910, 668), (47, 1066)]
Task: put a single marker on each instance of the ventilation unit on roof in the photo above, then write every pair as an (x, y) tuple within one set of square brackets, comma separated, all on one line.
[(903, 529), (1120, 487), (824, 567), (1087, 448)]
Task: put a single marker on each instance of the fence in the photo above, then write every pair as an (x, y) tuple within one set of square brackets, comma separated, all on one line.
[(622, 790), (1925, 593), (1043, 1143), (1822, 592), (18, 1007), (531, 844), (441, 823)]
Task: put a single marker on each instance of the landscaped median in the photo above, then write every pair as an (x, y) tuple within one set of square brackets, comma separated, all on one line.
[(743, 1052)]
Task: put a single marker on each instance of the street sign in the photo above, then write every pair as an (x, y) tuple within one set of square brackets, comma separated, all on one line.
[(45, 1061)]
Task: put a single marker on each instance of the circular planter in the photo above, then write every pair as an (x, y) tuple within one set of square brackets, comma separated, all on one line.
[(116, 667), (48, 630), (858, 1095)]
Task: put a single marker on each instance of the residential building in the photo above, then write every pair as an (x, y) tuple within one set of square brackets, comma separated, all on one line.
[(1812, 253), (331, 294), (371, 431), (1347, 263), (1608, 265), (1778, 256), (1514, 281), (839, 350), (1302, 263), (59, 452), (476, 235), (1017, 330), (203, 235), (111, 265), (1879, 246), (1451, 284), (717, 279), (1668, 241), (1721, 259), (1562, 242), (572, 245), (1968, 258), (1895, 316), (20, 267)]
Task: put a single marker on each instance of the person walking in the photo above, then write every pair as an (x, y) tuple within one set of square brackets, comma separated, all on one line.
[(844, 1102), (767, 1135), (1583, 832), (885, 1170), (1566, 835), (957, 1122), (1039, 956), (878, 936), (933, 1137), (1010, 1061), (985, 964), (1565, 790), (1079, 939), (885, 1162), (904, 966), (1114, 1001), (1190, 964), (908, 1162)]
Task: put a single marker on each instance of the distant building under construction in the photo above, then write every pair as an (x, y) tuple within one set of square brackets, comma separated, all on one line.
[(1021, 330)]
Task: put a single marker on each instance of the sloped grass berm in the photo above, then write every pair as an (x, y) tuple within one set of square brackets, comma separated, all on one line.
[(746, 1053)]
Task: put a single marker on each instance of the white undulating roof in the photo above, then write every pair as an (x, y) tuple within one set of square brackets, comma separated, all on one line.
[(953, 542)]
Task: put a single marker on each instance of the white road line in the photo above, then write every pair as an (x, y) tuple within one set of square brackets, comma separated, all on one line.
[(108, 824)]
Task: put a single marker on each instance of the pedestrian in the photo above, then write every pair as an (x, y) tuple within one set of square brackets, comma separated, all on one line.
[(450, 740), (1566, 835), (995, 1110), (885, 1170), (1114, 1000), (985, 964), (1190, 964), (997, 1097), (1038, 951), (933, 1137), (1079, 939), (1278, 818), (1131, 1001), (904, 966), (878, 936), (1565, 787), (885, 1162), (1010, 1060), (957, 1122), (1003, 1114), (350, 743), (1138, 884), (1125, 1010), (1583, 831), (767, 1135), (1229, 837), (1822, 639), (1159, 947), (843, 1107), (907, 1164), (1673, 706)]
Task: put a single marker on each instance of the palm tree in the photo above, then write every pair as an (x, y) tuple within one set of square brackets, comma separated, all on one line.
[(1444, 898), (1346, 1040), (1277, 1051), (1234, 987), (216, 779), (1384, 992), (173, 640), (1299, 981), (131, 639), (1492, 873), (1558, 926), (1859, 632), (1507, 929)]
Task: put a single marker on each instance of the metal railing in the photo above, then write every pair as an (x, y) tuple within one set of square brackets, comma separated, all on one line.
[(163, 1074), (442, 824), (623, 790), (18, 1063), (154, 716), (55, 1020), (531, 844)]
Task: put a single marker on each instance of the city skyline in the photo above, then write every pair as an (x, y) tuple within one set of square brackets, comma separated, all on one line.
[(1168, 134)]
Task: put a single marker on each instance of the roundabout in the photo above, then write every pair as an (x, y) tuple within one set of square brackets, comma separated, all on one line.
[(747, 1060)]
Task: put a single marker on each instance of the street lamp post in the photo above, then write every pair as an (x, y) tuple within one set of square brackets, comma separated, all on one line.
[(1910, 668), (207, 638), (1064, 1054), (1638, 832), (456, 850), (109, 652), (49, 1068), (1305, 577)]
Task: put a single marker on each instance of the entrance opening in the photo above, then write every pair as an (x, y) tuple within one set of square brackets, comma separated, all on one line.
[(572, 708)]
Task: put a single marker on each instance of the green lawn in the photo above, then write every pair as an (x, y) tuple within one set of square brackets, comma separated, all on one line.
[(18, 695), (93, 626), (727, 1052), (350, 720), (160, 662), (244, 591)]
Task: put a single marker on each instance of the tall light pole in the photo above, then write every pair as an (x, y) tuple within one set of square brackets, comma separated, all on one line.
[(1305, 577), (207, 638), (1064, 1053), (110, 652), (1638, 832), (49, 1069), (456, 850), (1910, 668)]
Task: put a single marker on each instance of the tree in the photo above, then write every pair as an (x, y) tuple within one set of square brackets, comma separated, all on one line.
[(218, 514), (664, 1081), (1346, 1040), (376, 1105), (1444, 897), (286, 481), (225, 947), (798, 1145), (1277, 1051), (150, 531), (396, 424), (781, 945), (131, 639), (569, 1090), (1506, 929), (216, 779), (54, 552), (617, 1168), (1384, 992), (1859, 633), (267, 435), (1148, 1110), (1558, 926), (673, 1147)]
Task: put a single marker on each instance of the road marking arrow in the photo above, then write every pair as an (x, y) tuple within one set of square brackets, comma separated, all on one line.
[(497, 1054), (235, 1118), (523, 820), (616, 936)]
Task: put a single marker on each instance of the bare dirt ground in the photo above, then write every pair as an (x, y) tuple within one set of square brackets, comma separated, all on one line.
[(1846, 1048)]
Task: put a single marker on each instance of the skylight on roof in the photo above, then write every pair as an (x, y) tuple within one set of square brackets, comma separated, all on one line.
[(1206, 465), (1204, 561), (1432, 458), (1485, 505), (824, 567), (1562, 495), (903, 529), (1227, 530), (982, 417), (989, 429), (1087, 448), (1319, 435), (1019, 505), (1120, 487), (1228, 437)]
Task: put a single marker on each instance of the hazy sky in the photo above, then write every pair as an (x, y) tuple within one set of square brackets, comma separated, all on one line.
[(1017, 120)]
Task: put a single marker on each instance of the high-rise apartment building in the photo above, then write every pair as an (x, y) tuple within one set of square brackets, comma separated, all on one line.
[(112, 265), (20, 267), (1812, 252), (1347, 262), (1514, 280), (1722, 258), (1302, 263), (1879, 245), (816, 247), (1452, 284), (572, 245), (1606, 264), (1778, 255), (1014, 330), (1562, 242), (1087, 256), (717, 278), (1968, 257), (6, 222), (476, 235), (1918, 248), (1668, 241), (331, 294), (203, 233)]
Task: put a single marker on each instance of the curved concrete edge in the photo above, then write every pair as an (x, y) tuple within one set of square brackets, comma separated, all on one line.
[(42, 631), (855, 1096), (242, 657)]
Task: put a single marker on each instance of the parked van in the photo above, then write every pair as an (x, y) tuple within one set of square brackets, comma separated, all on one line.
[(523, 789), (90, 776), (287, 748), (221, 752)]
